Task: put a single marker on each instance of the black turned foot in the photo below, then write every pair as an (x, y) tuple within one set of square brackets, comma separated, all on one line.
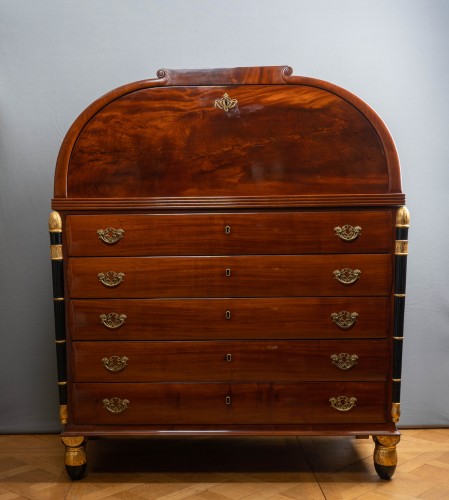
[(75, 456), (385, 471), (76, 472), (385, 456)]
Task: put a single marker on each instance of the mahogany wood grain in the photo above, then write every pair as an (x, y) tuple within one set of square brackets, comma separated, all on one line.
[(227, 361), (205, 403), (230, 233), (174, 141), (310, 95), (255, 276), (203, 319)]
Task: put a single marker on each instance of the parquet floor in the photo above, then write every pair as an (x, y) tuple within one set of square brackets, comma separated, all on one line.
[(31, 467)]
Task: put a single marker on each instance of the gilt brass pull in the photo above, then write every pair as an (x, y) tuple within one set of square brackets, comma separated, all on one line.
[(343, 403), (348, 232), (344, 319), (115, 405), (347, 276), (228, 400), (228, 358), (111, 278), (344, 361), (228, 272), (110, 235), (115, 364), (228, 314), (113, 320), (227, 229)]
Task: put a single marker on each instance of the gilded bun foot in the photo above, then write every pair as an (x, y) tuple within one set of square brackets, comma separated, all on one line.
[(385, 456), (75, 456)]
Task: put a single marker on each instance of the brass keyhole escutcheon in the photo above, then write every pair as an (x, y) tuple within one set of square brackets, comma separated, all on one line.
[(228, 400), (227, 229), (228, 272), (228, 358), (228, 314)]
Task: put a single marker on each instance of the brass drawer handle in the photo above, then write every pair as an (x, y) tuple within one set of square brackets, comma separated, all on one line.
[(228, 358), (343, 403), (228, 400), (228, 272), (113, 320), (115, 364), (348, 232), (227, 229), (111, 278), (115, 405), (228, 315), (344, 319), (110, 235), (347, 276), (344, 361)]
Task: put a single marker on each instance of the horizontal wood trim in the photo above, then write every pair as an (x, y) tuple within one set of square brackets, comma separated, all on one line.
[(227, 202)]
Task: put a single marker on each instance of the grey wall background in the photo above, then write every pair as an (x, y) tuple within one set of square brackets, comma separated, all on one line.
[(56, 56)]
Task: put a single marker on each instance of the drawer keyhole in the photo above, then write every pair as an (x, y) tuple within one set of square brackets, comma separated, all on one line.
[(228, 272), (228, 358), (228, 314), (228, 400), (227, 229)]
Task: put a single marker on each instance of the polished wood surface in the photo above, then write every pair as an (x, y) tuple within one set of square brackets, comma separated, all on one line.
[(227, 188), (346, 123), (256, 276), (250, 403), (299, 141), (203, 319), (276, 361), (229, 233)]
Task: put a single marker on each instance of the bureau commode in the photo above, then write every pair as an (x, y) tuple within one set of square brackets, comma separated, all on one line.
[(229, 254)]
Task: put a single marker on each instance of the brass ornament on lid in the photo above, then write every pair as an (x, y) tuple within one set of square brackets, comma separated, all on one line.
[(225, 103)]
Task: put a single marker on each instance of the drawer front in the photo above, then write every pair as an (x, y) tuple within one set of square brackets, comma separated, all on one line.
[(227, 234), (196, 319), (233, 276), (202, 404), (223, 361)]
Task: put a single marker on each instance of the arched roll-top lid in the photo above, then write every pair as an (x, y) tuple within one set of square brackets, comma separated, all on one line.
[(212, 137)]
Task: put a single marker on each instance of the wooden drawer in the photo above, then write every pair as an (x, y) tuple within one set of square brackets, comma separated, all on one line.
[(229, 233), (202, 404), (196, 319), (228, 361), (234, 276)]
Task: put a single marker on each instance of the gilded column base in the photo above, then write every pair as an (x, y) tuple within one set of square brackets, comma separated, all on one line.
[(385, 456), (75, 456)]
